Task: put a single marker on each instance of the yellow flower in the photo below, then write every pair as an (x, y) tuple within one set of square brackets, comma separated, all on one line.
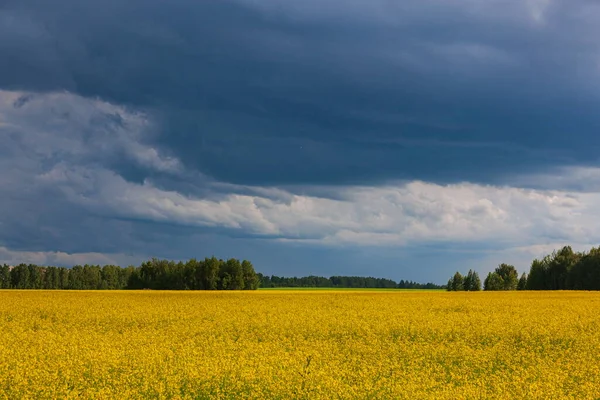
[(299, 345)]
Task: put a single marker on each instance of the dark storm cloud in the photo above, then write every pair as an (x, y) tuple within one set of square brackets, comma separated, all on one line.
[(183, 128), (330, 92)]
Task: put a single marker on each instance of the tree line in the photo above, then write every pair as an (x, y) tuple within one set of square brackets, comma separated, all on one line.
[(566, 270), (274, 281), (563, 269), (470, 282), (207, 274)]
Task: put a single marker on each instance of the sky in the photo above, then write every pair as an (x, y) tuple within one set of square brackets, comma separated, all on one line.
[(404, 140)]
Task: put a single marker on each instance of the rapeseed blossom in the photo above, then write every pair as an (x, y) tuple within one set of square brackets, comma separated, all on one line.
[(299, 345)]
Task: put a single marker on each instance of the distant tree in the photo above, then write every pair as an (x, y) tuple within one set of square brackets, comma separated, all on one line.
[(522, 285), (92, 277), (472, 282), (251, 281), (76, 281), (35, 277), (493, 282), (19, 277), (560, 266), (232, 269), (537, 275), (509, 275), (63, 275), (475, 282), (193, 274), (48, 278), (210, 273), (225, 281), (457, 283), (585, 274), (5, 277), (135, 280), (110, 277), (55, 278), (467, 280)]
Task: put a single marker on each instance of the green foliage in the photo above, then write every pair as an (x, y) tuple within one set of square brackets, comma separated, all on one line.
[(349, 282), (585, 274), (250, 278), (466, 280), (475, 283), (537, 275), (457, 283), (5, 282), (209, 274), (522, 285), (493, 282), (509, 275), (566, 270), (470, 282)]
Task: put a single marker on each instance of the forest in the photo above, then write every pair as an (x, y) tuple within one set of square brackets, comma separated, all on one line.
[(207, 274), (563, 269), (274, 281)]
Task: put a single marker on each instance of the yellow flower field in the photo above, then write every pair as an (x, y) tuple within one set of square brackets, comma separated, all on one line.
[(299, 344)]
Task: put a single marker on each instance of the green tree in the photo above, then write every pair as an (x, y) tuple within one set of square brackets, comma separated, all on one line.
[(251, 281), (210, 273), (76, 278), (475, 282), (35, 277), (457, 282), (467, 280), (91, 276), (472, 282), (537, 275), (559, 267), (585, 274), (522, 285), (193, 274), (19, 277), (48, 278), (233, 269), (64, 282), (55, 278), (5, 277), (493, 282), (509, 275), (225, 281), (110, 278)]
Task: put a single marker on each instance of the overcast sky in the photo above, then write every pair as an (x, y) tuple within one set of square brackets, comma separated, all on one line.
[(405, 139)]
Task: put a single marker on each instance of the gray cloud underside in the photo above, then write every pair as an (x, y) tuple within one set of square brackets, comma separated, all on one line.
[(274, 92), (63, 188)]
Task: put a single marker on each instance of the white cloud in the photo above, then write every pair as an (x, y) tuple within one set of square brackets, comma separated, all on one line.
[(12, 257), (77, 129), (57, 143), (392, 215)]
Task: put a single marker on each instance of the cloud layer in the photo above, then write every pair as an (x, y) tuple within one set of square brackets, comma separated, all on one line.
[(63, 155), (267, 92)]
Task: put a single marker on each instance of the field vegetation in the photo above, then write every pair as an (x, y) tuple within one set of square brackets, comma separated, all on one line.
[(299, 344)]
